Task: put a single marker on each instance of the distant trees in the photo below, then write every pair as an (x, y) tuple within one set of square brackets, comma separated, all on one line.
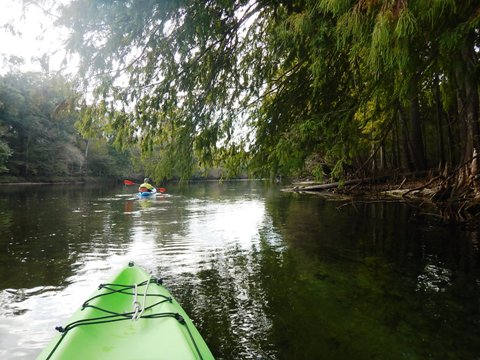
[(38, 136), (35, 133), (363, 86)]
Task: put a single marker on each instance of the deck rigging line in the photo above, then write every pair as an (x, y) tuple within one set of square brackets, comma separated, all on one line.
[(135, 314)]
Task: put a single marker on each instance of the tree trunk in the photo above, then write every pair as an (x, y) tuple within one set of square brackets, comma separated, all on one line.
[(394, 146), (26, 168), (85, 161), (454, 132), (417, 147), (382, 158), (468, 98), (439, 115), (405, 140)]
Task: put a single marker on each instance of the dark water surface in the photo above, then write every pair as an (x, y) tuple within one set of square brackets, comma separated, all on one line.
[(263, 274)]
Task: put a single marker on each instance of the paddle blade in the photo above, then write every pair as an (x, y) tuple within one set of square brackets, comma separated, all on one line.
[(128, 182), (162, 190)]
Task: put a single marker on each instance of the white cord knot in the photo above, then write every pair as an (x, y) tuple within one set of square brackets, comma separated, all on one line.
[(138, 308)]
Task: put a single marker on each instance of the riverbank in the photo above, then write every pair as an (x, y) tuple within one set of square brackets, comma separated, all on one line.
[(16, 180), (447, 198)]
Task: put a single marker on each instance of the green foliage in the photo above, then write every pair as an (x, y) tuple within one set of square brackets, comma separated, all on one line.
[(104, 161), (5, 151), (181, 79), (33, 130), (38, 135)]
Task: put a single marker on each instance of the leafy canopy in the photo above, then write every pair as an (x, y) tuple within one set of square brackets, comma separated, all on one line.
[(189, 79)]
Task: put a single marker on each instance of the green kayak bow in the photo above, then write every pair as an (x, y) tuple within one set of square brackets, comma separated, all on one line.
[(131, 317)]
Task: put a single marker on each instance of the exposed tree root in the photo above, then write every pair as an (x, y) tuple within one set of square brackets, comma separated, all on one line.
[(451, 196)]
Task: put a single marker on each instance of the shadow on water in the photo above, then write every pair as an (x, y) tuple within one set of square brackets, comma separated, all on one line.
[(331, 282), (372, 283), (264, 275)]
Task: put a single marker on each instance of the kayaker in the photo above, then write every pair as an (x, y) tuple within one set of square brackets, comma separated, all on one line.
[(146, 186)]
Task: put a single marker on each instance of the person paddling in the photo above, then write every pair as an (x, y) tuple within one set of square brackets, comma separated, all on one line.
[(146, 186)]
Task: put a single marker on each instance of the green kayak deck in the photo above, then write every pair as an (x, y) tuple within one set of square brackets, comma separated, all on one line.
[(131, 317)]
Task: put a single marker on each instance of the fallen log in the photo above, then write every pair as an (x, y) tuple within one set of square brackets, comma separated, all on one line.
[(340, 183)]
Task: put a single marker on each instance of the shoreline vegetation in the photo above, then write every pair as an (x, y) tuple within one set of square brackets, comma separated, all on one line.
[(396, 90), (449, 196), (46, 180)]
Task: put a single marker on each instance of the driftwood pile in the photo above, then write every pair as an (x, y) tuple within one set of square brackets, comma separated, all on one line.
[(452, 196)]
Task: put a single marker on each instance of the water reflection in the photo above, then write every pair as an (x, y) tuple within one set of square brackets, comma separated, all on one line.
[(357, 273), (262, 274)]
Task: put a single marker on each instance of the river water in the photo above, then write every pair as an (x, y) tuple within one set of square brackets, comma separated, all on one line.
[(263, 274)]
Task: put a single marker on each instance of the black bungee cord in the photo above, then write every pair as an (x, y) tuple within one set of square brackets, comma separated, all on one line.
[(114, 316)]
